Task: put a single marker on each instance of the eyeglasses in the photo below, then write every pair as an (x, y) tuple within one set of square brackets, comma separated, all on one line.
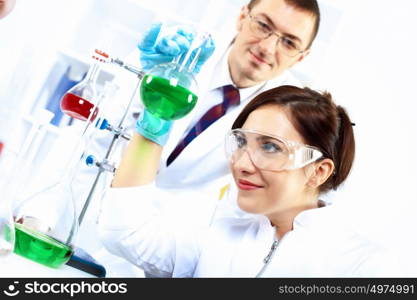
[(285, 45), (269, 152)]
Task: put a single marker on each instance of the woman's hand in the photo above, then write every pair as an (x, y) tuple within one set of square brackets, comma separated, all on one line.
[(139, 164)]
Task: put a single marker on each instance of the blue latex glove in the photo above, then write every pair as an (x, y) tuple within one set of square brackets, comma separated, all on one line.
[(153, 128), (153, 52)]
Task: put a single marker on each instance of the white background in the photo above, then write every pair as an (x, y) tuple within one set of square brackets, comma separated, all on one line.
[(364, 55)]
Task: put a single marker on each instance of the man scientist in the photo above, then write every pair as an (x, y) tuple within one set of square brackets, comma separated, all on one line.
[(272, 36)]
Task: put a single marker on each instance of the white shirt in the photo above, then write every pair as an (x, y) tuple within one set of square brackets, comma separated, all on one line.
[(151, 229)]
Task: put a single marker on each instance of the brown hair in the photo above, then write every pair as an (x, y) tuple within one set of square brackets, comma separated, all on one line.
[(310, 6), (320, 122)]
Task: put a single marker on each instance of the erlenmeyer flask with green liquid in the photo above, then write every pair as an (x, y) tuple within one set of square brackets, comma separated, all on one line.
[(44, 215), (16, 175), (29, 231), (46, 222)]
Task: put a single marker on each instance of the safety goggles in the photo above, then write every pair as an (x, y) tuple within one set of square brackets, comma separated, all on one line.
[(269, 152)]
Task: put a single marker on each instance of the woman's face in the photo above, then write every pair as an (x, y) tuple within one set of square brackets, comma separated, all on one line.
[(270, 192)]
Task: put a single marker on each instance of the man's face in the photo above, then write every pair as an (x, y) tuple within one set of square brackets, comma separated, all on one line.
[(253, 60), (6, 6)]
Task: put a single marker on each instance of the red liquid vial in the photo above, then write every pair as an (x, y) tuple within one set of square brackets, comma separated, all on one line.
[(78, 107), (1, 147)]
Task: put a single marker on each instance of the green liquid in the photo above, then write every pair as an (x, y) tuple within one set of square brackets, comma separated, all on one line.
[(40, 247), (165, 99)]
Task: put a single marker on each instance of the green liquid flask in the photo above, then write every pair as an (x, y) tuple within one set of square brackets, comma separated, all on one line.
[(40, 247), (46, 216), (15, 170), (168, 93)]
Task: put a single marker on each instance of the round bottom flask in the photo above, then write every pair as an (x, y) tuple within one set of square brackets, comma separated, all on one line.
[(168, 93)]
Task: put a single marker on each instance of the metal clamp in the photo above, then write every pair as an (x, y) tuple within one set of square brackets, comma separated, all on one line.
[(105, 165), (117, 131)]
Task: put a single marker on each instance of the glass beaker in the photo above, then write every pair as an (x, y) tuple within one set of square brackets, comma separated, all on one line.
[(169, 93), (79, 102)]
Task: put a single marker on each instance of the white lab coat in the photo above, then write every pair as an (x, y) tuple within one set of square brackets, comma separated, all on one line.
[(156, 231)]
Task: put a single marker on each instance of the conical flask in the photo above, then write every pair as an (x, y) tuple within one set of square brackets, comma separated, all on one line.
[(80, 101), (46, 222), (15, 171)]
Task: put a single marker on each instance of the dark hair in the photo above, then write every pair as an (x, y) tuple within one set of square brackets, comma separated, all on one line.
[(310, 6), (320, 122)]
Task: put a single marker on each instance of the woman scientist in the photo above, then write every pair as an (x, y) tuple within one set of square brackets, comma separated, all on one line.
[(287, 147)]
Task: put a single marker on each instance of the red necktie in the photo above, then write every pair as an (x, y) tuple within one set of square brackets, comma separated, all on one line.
[(231, 98)]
